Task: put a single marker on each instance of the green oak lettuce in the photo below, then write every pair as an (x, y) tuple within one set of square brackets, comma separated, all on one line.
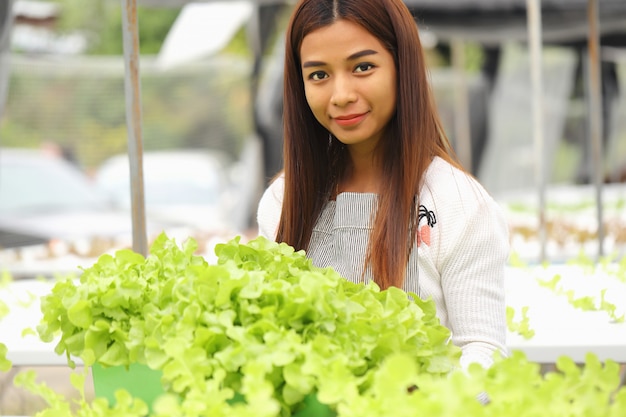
[(262, 322)]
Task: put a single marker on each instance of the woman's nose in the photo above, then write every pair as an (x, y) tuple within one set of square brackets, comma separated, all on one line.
[(343, 91)]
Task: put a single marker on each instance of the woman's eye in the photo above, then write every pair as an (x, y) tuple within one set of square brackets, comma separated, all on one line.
[(363, 67), (317, 76)]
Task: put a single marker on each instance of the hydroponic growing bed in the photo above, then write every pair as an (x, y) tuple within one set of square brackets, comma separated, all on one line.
[(571, 222)]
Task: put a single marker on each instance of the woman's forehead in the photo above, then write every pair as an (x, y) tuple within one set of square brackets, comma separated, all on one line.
[(341, 39)]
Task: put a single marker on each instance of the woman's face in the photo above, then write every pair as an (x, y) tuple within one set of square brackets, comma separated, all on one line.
[(349, 82)]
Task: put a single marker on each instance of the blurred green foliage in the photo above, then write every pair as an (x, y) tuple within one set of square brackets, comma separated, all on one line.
[(101, 22), (79, 103)]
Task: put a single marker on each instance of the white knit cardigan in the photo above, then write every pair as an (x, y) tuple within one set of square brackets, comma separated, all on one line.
[(458, 259)]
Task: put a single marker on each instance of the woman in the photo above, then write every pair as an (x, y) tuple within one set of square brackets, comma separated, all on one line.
[(371, 186)]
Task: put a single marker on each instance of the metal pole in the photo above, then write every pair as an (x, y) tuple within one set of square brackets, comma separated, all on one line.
[(461, 109), (594, 93), (535, 47), (133, 123), (6, 26)]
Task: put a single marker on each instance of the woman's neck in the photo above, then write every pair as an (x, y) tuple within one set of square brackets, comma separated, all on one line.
[(364, 175)]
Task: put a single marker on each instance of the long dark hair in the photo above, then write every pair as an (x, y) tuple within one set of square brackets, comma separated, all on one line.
[(314, 160)]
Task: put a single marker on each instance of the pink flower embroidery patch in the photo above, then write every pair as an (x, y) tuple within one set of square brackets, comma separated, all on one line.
[(423, 232)]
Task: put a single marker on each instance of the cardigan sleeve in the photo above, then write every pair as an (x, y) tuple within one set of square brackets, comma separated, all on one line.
[(270, 208), (472, 278)]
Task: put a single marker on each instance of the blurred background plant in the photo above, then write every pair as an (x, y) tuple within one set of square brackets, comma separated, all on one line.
[(100, 21)]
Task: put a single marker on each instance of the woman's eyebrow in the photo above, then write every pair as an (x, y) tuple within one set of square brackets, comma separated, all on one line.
[(361, 54), (309, 64), (356, 55)]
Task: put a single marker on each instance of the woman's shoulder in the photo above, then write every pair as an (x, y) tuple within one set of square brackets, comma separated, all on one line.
[(270, 207), (276, 187), (449, 186), (442, 176)]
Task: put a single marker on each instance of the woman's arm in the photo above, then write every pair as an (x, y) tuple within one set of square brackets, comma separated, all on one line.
[(472, 278)]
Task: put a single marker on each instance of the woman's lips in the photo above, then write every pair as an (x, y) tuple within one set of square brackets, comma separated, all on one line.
[(350, 119)]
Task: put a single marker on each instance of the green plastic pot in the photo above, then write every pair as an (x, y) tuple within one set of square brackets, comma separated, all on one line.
[(145, 383), (139, 380)]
